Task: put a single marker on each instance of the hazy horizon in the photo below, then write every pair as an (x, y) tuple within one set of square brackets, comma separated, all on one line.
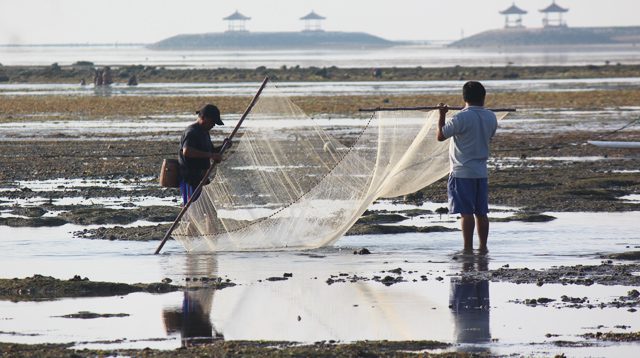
[(25, 22)]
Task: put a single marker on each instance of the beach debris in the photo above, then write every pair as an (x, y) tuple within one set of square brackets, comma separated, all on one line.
[(32, 221), (614, 337), (40, 287), (526, 217), (28, 211), (629, 255), (362, 251), (380, 218), (442, 210), (91, 315), (388, 280), (534, 301), (377, 229), (276, 278)]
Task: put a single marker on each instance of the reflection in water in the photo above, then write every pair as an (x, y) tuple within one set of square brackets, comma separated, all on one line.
[(192, 320), (469, 301), (102, 91)]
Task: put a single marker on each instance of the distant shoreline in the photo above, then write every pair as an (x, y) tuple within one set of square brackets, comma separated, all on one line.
[(78, 45), (155, 74)]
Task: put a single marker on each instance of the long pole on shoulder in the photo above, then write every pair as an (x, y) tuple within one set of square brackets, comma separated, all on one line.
[(224, 147), (427, 108)]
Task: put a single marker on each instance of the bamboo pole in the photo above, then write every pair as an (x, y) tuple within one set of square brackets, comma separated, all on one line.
[(427, 108), (204, 179)]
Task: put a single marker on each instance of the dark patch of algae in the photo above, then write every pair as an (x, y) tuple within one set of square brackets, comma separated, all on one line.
[(614, 337), (41, 287), (247, 349)]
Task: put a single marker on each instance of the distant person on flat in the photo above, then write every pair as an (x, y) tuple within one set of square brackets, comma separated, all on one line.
[(471, 131)]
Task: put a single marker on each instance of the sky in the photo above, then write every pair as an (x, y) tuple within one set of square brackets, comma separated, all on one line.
[(147, 21)]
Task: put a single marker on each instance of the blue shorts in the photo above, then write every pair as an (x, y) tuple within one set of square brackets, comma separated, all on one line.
[(187, 192), (468, 195)]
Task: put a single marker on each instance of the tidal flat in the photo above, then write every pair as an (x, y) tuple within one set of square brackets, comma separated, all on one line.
[(80, 167)]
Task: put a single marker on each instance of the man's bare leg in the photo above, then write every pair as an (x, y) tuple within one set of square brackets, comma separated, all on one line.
[(468, 225), (483, 231)]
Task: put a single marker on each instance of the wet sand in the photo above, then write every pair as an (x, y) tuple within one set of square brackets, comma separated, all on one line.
[(38, 288), (73, 74), (247, 349), (20, 108)]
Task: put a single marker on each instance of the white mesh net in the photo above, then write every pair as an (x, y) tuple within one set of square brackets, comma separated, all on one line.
[(287, 183)]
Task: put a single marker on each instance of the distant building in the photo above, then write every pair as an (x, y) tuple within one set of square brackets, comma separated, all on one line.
[(513, 17), (312, 21), (237, 22), (553, 15)]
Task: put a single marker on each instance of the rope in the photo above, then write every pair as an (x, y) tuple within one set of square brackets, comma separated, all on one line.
[(619, 129)]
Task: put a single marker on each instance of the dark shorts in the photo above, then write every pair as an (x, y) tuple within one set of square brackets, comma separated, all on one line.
[(187, 190), (468, 195)]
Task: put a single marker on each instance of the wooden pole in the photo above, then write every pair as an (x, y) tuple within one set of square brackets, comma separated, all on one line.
[(224, 147), (427, 108)]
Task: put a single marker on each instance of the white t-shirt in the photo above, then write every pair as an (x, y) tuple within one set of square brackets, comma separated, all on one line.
[(470, 131)]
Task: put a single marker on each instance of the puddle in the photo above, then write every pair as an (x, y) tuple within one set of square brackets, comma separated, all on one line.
[(63, 184), (329, 88), (631, 198), (270, 310)]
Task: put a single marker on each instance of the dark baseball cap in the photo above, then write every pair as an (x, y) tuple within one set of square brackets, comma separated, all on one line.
[(210, 111)]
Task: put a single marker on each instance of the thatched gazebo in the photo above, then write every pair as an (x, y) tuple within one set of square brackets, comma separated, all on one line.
[(312, 21), (513, 16), (237, 22), (553, 15)]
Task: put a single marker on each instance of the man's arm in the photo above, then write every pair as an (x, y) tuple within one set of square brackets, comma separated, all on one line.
[(443, 108), (190, 152)]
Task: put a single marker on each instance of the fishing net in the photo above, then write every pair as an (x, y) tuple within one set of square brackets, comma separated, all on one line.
[(290, 183)]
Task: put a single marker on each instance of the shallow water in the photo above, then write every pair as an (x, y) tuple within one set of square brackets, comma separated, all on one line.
[(398, 56), (168, 128), (329, 88), (341, 311)]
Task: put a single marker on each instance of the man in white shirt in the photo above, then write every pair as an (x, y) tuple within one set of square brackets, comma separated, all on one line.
[(471, 131)]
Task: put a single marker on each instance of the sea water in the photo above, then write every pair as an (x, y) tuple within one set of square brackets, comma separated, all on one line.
[(396, 56)]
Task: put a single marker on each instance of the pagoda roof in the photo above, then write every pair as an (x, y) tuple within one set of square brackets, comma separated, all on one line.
[(237, 16), (312, 16), (554, 8), (513, 10)]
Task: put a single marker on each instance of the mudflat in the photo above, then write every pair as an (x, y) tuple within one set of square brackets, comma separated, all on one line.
[(533, 171), (74, 73)]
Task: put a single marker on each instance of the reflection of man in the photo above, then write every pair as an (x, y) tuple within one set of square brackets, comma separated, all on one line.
[(469, 302), (193, 319)]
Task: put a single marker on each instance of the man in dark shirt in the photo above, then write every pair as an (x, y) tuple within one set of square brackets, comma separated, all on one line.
[(196, 150)]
